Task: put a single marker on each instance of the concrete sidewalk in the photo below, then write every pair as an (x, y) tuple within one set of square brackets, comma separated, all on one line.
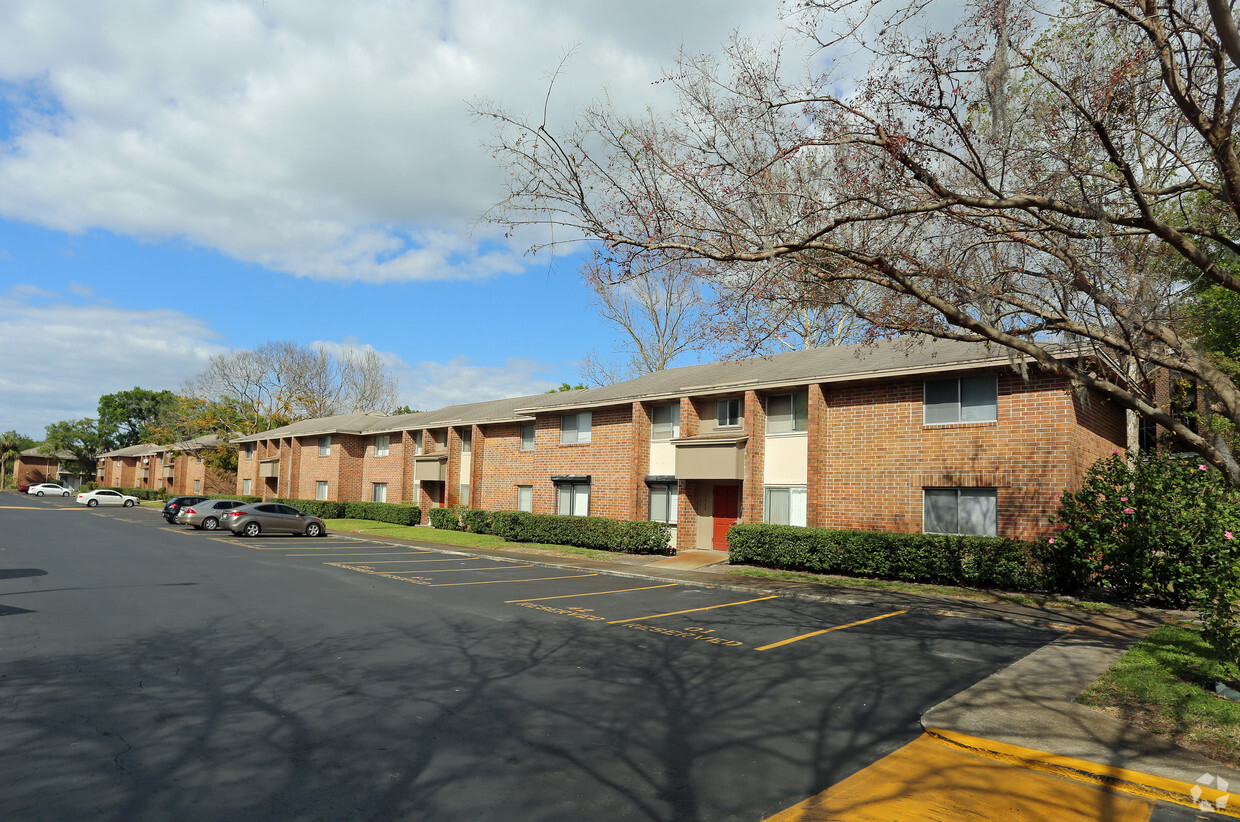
[(1025, 714)]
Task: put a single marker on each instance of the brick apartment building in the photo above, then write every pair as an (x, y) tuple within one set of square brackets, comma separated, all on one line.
[(900, 435), (33, 466), (178, 469)]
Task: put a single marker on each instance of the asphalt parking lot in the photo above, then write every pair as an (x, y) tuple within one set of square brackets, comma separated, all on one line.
[(162, 672)]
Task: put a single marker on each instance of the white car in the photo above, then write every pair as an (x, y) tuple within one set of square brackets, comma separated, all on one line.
[(48, 488), (103, 496)]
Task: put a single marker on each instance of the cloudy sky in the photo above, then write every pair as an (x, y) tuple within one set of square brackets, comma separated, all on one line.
[(180, 178)]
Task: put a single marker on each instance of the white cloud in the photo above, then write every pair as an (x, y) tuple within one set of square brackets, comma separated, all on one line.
[(327, 139), (427, 386), (61, 353)]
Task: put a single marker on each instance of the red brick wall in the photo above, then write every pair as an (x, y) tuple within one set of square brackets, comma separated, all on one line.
[(879, 455), (389, 469)]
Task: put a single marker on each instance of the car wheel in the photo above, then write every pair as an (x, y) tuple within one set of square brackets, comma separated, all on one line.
[(38, 493), (314, 530), (92, 503), (251, 529), (210, 524), (65, 494), (129, 503)]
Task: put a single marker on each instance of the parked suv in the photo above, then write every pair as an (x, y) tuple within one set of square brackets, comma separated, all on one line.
[(173, 505), (252, 520), (205, 515)]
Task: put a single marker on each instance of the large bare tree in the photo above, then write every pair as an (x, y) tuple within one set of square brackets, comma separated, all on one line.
[(1040, 173)]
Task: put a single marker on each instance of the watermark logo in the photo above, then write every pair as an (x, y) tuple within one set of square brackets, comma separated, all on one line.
[(1210, 781)]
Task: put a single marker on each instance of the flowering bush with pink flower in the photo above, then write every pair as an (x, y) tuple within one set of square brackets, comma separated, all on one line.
[(1160, 531)]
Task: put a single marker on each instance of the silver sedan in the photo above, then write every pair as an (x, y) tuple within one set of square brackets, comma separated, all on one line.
[(205, 515), (48, 488), (273, 517)]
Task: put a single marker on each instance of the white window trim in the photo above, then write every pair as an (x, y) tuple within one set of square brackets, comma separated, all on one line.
[(574, 496), (994, 492), (521, 437), (766, 505), (321, 489), (378, 489), (580, 437), (325, 443), (672, 491), (740, 413), (386, 448), (529, 510), (674, 431)]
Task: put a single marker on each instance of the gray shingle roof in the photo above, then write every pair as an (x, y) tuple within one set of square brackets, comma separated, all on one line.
[(844, 363)]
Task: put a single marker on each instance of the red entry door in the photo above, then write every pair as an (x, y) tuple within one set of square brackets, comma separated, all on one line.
[(726, 507)]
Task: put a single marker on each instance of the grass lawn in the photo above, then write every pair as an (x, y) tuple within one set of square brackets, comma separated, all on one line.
[(1165, 684), (463, 539)]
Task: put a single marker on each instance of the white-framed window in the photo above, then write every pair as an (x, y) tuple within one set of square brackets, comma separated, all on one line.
[(572, 499), (785, 505), (575, 428), (971, 511), (663, 502), (665, 422), (417, 444), (249, 450), (467, 440), (464, 493), (729, 413), (525, 498), (320, 489), (325, 446), (787, 413), (383, 445), (963, 399), (527, 436), (378, 492), (246, 485), (197, 486)]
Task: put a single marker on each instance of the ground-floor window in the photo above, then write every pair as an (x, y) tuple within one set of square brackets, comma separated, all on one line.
[(971, 511), (197, 486), (320, 489), (663, 502), (378, 492), (785, 505), (246, 485), (525, 498), (572, 499), (464, 493)]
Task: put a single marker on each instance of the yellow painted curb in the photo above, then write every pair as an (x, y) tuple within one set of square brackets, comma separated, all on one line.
[(1133, 782)]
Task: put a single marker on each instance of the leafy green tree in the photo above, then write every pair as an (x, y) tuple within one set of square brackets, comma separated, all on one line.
[(11, 446), (404, 409), (81, 438), (124, 414), (565, 387)]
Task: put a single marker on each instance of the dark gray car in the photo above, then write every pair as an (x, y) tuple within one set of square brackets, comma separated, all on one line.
[(205, 515), (271, 517)]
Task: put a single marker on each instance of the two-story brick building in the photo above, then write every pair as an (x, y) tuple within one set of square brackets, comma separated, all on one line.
[(899, 435), (177, 468)]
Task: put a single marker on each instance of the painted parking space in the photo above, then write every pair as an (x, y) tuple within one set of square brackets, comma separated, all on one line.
[(673, 611)]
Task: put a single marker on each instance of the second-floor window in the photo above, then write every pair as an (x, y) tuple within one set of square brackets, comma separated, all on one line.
[(527, 436), (665, 422), (728, 413), (383, 445), (575, 428), (249, 450), (963, 399), (325, 446), (787, 413), (467, 440)]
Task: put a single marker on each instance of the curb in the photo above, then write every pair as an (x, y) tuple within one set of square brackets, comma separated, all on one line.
[(1157, 788)]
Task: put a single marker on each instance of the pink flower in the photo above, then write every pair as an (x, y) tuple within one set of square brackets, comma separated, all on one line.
[(1052, 540), (1123, 499), (1129, 511), (1203, 468), (1226, 535)]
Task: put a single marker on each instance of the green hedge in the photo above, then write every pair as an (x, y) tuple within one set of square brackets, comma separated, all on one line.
[(378, 511), (599, 533), (445, 519), (140, 493), (976, 562)]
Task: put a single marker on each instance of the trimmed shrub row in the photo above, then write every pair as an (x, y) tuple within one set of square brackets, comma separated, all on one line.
[(599, 533), (976, 562), (378, 511)]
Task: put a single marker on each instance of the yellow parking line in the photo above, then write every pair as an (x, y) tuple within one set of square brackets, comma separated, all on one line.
[(41, 508), (692, 610), (827, 631), (594, 593), (506, 581), (363, 554), (460, 570)]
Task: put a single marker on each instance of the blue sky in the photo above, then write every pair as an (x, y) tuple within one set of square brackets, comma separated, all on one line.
[(182, 178)]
